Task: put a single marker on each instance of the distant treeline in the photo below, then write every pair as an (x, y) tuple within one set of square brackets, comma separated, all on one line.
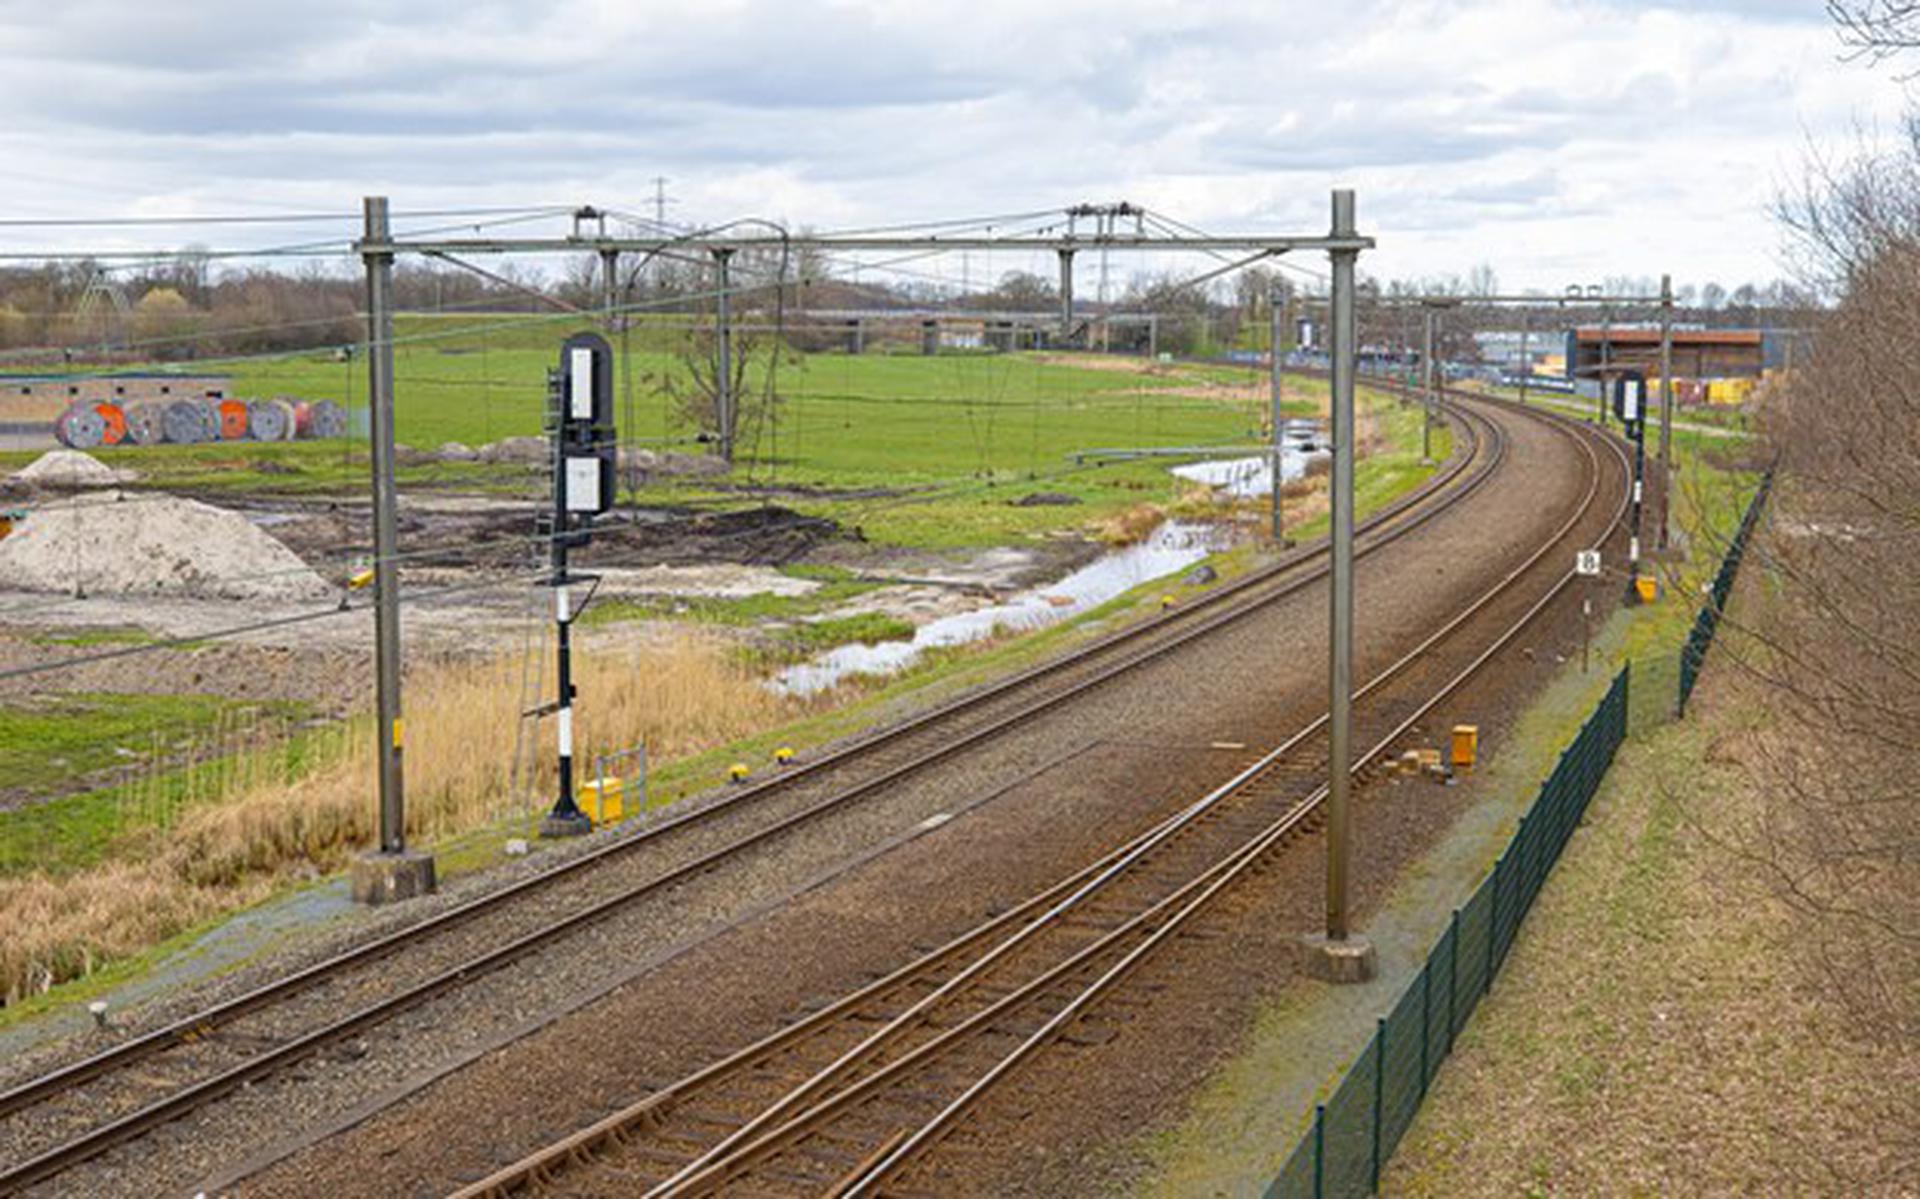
[(193, 306)]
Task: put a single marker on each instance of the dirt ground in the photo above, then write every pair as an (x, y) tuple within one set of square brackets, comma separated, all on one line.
[(474, 572)]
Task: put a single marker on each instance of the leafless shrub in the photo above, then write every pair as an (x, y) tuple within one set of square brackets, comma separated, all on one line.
[(1831, 635)]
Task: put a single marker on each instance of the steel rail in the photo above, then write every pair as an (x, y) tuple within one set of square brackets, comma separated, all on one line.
[(724, 1162), (1213, 612), (887, 1162), (27, 1093), (1060, 899)]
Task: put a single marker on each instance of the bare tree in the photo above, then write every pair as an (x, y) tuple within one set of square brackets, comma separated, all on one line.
[(734, 401), (1876, 30), (1830, 635)]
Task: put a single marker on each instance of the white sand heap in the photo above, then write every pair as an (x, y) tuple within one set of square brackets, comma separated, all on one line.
[(70, 468), (152, 544)]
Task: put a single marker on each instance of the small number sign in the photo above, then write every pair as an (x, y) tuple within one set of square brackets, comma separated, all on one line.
[(1587, 562)]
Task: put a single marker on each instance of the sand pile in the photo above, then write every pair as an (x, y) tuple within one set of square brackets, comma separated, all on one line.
[(70, 468), (152, 544)]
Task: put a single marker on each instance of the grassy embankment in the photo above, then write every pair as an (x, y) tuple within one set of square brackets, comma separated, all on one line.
[(1654, 1031), (1637, 1041), (105, 890), (1648, 1034)]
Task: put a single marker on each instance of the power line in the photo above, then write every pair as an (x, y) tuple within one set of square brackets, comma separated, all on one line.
[(338, 247), (983, 222), (299, 218)]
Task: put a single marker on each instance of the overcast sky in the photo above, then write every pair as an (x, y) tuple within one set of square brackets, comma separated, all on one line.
[(1557, 141)]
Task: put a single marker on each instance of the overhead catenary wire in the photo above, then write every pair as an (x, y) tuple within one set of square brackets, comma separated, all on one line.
[(295, 218), (779, 283), (1175, 226)]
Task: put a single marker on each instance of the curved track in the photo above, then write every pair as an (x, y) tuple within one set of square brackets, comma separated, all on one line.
[(75, 1113), (849, 1099)]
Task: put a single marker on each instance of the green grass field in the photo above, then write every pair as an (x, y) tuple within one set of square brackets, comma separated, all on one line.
[(948, 440), (165, 748)]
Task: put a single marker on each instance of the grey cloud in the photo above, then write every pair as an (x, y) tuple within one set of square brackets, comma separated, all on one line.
[(890, 111)]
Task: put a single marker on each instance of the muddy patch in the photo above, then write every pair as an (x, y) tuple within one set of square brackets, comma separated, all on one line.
[(717, 580), (486, 533)]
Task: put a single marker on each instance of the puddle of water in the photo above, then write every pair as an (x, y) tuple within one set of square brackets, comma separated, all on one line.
[(1300, 442), (1172, 546)]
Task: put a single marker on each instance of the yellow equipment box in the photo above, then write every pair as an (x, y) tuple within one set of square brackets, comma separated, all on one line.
[(1466, 745), (1648, 588), (603, 800)]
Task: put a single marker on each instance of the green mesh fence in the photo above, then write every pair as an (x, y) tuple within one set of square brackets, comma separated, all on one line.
[(1354, 1133), (1694, 652)]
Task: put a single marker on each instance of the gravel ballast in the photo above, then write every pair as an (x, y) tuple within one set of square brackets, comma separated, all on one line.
[(1036, 803)]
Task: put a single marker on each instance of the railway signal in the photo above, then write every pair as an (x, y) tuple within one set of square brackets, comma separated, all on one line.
[(580, 425), (1630, 405)]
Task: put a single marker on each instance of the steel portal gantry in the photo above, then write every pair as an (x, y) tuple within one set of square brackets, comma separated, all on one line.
[(1342, 243)]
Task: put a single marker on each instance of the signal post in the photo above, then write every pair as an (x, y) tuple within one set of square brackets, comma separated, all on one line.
[(584, 462)]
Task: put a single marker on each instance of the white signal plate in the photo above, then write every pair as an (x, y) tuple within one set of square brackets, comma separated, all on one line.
[(1587, 562), (583, 484), (580, 383)]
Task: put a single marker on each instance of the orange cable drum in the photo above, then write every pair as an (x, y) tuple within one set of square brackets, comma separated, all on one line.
[(233, 420), (114, 417)]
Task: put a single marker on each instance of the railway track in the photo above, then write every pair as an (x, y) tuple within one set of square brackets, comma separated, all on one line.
[(75, 1113), (848, 1099)]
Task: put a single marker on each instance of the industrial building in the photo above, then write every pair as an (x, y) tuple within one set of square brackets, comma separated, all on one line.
[(1717, 366), (1697, 353)]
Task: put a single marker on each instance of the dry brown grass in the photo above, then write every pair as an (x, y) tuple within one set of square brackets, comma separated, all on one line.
[(1131, 525), (63, 929), (259, 823)]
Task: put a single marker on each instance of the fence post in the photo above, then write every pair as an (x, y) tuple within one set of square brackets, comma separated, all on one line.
[(1524, 897), (1493, 921), (1426, 1019), (1319, 1150), (1453, 982), (1379, 1087), (1626, 703)]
